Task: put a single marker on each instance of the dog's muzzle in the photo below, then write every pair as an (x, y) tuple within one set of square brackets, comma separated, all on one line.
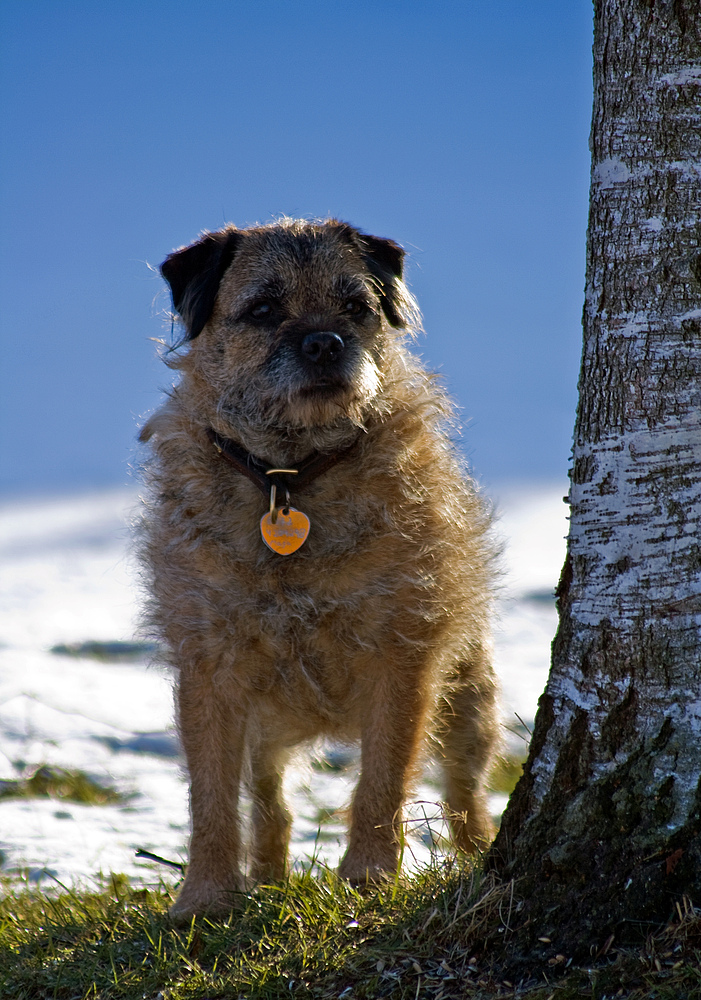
[(323, 348)]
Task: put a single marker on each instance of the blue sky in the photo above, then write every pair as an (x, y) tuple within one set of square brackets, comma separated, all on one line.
[(458, 129)]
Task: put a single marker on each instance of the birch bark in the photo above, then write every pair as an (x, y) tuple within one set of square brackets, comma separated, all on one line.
[(604, 829)]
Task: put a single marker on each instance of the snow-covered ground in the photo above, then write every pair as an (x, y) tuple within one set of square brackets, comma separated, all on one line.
[(67, 577)]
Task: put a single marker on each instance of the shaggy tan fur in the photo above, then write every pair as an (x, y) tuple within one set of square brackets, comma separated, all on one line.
[(376, 629)]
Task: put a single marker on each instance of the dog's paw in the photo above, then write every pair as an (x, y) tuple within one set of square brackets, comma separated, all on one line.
[(472, 831), (362, 870), (205, 898)]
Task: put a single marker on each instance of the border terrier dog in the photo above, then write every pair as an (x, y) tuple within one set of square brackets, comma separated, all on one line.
[(319, 562)]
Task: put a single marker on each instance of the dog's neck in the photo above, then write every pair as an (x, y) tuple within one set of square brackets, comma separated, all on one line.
[(284, 446), (284, 480)]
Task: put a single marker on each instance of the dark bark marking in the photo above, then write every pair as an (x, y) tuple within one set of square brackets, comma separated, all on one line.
[(620, 725), (584, 469), (573, 768), (520, 802), (562, 591), (695, 268)]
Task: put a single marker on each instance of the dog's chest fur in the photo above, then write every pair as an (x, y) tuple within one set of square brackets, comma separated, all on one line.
[(310, 629)]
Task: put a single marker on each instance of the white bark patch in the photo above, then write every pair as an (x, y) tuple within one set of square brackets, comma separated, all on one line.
[(610, 172), (681, 77), (543, 768), (689, 170), (690, 314), (633, 325), (621, 525)]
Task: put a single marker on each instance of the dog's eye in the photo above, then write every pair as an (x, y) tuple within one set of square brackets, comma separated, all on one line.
[(264, 313), (354, 307), (261, 310)]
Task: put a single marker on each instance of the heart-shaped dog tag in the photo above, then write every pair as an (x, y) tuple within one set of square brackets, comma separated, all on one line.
[(288, 533)]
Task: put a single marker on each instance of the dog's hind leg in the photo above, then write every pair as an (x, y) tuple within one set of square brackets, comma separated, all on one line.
[(271, 822), (468, 736), (212, 730)]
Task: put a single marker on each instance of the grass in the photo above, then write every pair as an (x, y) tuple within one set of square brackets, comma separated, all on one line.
[(505, 773), (66, 785), (435, 935), (438, 934), (107, 652)]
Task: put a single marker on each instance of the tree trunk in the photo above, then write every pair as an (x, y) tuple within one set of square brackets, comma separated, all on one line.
[(603, 832)]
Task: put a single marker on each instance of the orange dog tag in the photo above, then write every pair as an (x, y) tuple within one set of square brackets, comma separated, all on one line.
[(288, 533)]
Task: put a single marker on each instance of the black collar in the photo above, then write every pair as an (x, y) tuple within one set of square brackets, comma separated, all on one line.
[(264, 476)]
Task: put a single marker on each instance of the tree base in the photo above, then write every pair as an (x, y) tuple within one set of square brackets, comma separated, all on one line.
[(600, 863)]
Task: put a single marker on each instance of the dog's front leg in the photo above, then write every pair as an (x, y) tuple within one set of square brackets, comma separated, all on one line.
[(391, 740), (212, 729)]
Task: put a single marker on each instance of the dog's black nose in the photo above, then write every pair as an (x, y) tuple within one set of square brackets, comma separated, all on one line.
[(322, 348)]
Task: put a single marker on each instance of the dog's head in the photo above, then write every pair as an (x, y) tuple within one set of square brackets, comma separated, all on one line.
[(290, 324)]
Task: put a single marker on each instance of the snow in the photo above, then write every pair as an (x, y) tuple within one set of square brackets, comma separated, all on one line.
[(68, 577)]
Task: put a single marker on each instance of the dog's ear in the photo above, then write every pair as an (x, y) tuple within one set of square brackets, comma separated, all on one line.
[(194, 274), (385, 261)]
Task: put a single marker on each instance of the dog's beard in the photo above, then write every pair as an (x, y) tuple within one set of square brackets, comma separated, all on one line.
[(322, 405), (284, 415)]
